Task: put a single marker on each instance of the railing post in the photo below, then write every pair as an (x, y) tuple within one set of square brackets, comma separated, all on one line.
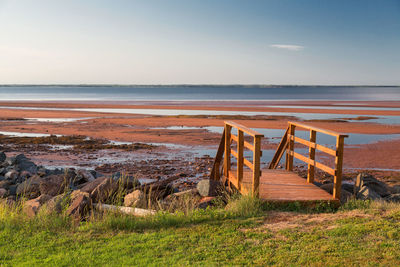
[(227, 157), (311, 151), (289, 156), (256, 166), (338, 167), (240, 146)]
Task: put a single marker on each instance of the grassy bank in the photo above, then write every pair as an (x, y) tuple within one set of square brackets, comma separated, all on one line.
[(246, 232)]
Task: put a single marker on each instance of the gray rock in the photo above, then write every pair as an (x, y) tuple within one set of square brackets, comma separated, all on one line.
[(344, 194), (393, 197), (25, 164), (30, 188), (2, 178), (395, 189), (2, 157), (209, 188), (134, 199), (372, 183), (11, 175), (12, 190), (366, 192), (58, 203), (10, 161), (5, 184), (2, 171)]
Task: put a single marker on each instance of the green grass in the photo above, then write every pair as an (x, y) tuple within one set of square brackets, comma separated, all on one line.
[(245, 233)]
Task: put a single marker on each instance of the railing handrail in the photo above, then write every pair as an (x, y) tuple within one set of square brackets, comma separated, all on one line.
[(309, 127), (244, 129), (313, 146), (236, 180)]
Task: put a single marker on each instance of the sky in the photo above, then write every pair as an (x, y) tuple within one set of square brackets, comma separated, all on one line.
[(308, 42)]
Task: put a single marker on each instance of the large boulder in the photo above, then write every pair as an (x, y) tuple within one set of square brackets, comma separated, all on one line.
[(31, 207), (366, 192), (80, 205), (58, 203), (134, 199), (83, 176), (344, 194), (209, 188), (25, 164), (11, 175), (90, 186), (30, 188), (53, 185), (374, 185), (104, 191)]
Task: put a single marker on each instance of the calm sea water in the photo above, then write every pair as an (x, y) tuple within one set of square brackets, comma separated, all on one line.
[(188, 93)]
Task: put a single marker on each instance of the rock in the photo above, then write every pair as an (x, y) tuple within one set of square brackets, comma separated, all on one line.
[(395, 189), (11, 175), (209, 188), (10, 161), (31, 207), (393, 197), (3, 193), (127, 182), (25, 175), (90, 186), (367, 193), (57, 203), (372, 183), (12, 190), (205, 202), (116, 175), (2, 157), (5, 184), (54, 185), (30, 188), (85, 175), (344, 194), (80, 205), (25, 164), (134, 199), (2, 178), (104, 191)]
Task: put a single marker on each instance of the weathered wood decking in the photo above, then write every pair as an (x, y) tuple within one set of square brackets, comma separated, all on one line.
[(272, 184)]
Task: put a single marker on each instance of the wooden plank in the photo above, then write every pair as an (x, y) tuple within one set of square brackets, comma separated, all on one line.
[(311, 155), (227, 158), (313, 145), (313, 162), (309, 127), (282, 185), (279, 151), (337, 179), (289, 163), (248, 145), (234, 137), (248, 163), (240, 159), (234, 153), (244, 129), (256, 166), (218, 158)]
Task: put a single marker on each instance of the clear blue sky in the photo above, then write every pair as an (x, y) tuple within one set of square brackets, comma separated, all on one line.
[(200, 41)]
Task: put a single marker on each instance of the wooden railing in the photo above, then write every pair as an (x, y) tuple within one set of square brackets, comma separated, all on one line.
[(287, 143), (225, 149)]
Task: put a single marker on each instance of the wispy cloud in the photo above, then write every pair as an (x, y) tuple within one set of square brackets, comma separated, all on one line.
[(288, 47)]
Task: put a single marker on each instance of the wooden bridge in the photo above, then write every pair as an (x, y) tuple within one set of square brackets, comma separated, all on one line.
[(271, 184)]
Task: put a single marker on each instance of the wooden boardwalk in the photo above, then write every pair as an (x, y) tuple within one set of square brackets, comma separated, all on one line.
[(285, 186), (276, 185)]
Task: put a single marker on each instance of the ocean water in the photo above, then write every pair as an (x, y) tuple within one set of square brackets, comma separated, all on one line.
[(198, 92)]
